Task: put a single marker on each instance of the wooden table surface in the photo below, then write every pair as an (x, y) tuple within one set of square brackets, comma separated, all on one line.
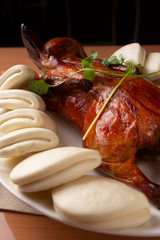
[(22, 226)]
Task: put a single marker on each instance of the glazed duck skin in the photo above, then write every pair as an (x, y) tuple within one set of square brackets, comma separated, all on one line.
[(130, 121)]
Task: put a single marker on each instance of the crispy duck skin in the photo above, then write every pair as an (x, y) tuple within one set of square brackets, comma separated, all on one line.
[(130, 121)]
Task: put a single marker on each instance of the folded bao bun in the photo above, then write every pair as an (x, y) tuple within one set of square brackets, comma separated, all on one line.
[(152, 64), (20, 118), (27, 141), (16, 77), (133, 53), (101, 203), (16, 98), (54, 167)]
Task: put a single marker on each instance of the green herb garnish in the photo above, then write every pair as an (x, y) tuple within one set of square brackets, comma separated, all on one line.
[(104, 105), (132, 66), (39, 86), (88, 63), (42, 88), (113, 60)]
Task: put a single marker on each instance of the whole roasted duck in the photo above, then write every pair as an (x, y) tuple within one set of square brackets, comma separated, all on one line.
[(130, 121)]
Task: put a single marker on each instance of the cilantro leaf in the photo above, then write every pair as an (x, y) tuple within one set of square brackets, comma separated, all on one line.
[(89, 74), (129, 68), (132, 67), (140, 66), (39, 86), (121, 58), (113, 60), (88, 61)]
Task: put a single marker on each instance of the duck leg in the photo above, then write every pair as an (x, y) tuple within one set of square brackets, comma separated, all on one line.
[(128, 172)]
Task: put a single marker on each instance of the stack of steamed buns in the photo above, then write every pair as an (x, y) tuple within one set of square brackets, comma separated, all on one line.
[(92, 202)]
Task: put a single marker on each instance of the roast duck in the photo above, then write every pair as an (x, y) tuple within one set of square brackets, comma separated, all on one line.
[(129, 122)]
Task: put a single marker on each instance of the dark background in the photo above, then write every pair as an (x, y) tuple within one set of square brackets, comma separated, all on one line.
[(90, 22)]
